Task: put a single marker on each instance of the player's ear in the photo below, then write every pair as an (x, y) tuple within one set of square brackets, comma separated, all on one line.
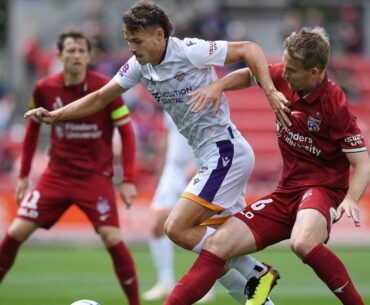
[(159, 33)]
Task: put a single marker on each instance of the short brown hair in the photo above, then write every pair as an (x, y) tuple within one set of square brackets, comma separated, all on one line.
[(146, 14), (311, 46), (75, 35)]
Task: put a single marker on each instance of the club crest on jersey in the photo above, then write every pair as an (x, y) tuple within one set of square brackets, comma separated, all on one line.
[(102, 205), (179, 76), (313, 123)]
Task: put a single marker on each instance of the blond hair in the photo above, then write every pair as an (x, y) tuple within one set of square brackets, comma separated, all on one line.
[(311, 46)]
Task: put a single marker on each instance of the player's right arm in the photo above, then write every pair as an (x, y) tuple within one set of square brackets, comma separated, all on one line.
[(82, 107), (235, 80)]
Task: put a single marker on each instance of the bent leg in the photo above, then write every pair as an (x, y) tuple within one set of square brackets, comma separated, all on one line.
[(18, 232), (123, 262), (210, 264), (309, 234)]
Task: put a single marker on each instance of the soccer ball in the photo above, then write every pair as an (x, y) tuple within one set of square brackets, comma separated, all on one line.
[(85, 302)]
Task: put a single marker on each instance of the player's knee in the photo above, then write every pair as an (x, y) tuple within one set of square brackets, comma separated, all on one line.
[(20, 230), (300, 246), (110, 237), (171, 230)]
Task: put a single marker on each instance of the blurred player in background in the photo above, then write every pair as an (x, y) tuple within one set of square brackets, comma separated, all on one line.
[(315, 189), (80, 168), (179, 167), (170, 69)]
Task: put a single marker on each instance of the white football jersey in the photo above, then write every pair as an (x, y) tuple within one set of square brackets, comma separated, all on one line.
[(187, 65)]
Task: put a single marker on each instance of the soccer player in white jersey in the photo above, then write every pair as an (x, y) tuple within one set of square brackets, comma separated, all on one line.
[(170, 69)]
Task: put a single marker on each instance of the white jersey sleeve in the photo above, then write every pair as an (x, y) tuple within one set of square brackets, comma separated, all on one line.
[(129, 74), (202, 53)]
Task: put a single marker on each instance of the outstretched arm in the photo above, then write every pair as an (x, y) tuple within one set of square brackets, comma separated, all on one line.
[(80, 108), (360, 179)]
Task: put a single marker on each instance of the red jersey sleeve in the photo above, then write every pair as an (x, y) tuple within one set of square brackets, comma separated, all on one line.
[(120, 116), (343, 124), (31, 138)]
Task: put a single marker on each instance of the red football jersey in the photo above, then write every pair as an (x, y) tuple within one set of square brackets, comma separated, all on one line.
[(83, 146), (323, 130)]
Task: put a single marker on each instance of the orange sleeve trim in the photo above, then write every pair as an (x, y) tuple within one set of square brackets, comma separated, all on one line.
[(214, 221), (201, 201)]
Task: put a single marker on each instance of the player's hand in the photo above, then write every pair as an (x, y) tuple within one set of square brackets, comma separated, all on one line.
[(201, 97), (128, 193), (280, 105), (351, 209), (41, 115), (21, 188)]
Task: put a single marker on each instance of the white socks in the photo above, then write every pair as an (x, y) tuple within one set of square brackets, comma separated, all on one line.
[(161, 250), (234, 282)]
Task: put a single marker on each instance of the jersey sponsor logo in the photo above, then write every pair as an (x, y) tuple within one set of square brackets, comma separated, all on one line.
[(202, 170), (313, 124), (354, 140), (190, 43), (179, 76), (123, 70), (295, 139), (71, 131), (212, 47), (172, 97)]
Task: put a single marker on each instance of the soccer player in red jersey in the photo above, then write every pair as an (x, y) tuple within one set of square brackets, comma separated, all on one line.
[(80, 168), (315, 189)]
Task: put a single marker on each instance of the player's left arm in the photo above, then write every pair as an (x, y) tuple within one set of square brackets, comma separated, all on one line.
[(127, 188), (360, 179)]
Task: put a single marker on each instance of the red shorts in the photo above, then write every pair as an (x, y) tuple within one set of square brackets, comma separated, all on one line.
[(55, 193), (272, 217)]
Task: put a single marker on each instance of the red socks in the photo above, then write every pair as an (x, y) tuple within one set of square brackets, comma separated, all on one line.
[(197, 281), (8, 252), (125, 270), (333, 273)]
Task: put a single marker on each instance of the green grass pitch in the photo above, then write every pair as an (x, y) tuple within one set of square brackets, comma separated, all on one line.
[(45, 275)]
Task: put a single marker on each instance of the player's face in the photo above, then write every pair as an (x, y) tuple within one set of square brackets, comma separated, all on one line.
[(147, 45), (75, 55), (298, 77)]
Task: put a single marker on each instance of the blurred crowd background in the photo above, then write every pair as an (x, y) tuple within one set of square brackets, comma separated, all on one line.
[(28, 29)]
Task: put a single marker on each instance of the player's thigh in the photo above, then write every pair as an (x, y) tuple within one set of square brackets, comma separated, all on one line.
[(187, 214), (232, 238), (310, 229)]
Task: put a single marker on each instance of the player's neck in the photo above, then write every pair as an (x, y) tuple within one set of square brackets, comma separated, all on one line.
[(71, 79)]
